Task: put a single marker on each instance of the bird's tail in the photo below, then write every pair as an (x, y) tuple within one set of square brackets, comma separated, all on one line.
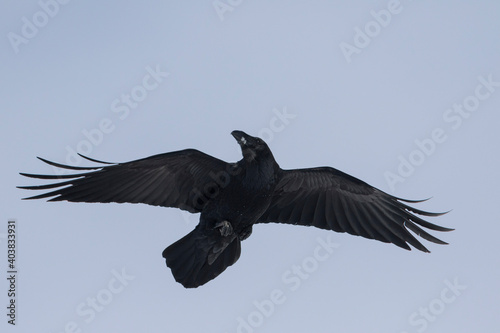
[(201, 255)]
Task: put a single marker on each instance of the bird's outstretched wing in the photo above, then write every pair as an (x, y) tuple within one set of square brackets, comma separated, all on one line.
[(184, 179), (330, 199)]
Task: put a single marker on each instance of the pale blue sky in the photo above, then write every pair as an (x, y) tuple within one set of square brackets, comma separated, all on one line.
[(158, 76)]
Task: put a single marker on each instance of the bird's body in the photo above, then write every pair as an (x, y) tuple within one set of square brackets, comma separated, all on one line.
[(233, 197), (252, 197)]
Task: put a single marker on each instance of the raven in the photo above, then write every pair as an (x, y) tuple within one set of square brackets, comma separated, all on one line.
[(232, 197)]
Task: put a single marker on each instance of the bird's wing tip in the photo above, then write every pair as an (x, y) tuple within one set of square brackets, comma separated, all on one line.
[(94, 160), (412, 201)]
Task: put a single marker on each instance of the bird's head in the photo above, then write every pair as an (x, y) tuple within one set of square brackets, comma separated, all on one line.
[(253, 148)]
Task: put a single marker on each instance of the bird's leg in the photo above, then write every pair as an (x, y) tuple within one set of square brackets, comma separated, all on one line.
[(245, 233), (225, 228)]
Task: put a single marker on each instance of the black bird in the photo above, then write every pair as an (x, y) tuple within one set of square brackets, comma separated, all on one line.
[(232, 197)]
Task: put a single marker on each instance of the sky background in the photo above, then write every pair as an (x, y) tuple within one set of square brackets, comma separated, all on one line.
[(331, 83)]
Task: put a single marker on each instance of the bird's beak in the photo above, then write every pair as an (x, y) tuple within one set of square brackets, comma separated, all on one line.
[(241, 137)]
